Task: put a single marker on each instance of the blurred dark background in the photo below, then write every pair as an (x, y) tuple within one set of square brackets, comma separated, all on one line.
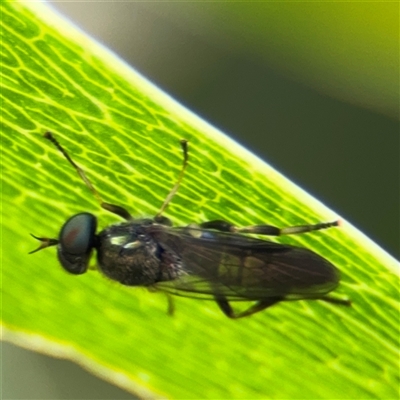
[(346, 155)]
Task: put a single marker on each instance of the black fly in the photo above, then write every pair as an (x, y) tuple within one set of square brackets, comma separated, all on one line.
[(212, 261)]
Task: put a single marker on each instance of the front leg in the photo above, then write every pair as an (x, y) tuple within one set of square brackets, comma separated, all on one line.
[(268, 230)]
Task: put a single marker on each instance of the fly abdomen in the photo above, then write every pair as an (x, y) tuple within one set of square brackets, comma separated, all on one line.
[(290, 272)]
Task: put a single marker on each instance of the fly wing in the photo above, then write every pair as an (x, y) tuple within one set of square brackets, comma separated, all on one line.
[(240, 267)]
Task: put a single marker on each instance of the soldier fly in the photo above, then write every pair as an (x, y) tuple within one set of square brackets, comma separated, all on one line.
[(214, 260)]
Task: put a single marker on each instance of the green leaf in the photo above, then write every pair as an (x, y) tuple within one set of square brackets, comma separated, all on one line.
[(124, 133)]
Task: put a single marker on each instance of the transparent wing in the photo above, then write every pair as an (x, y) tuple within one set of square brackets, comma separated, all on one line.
[(240, 267)]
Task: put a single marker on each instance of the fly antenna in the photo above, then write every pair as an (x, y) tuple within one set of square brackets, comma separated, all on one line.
[(44, 242), (171, 194)]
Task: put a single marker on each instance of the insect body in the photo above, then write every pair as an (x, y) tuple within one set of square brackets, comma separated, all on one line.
[(214, 260)]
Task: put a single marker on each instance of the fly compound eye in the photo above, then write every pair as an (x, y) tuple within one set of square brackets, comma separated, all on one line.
[(76, 241)]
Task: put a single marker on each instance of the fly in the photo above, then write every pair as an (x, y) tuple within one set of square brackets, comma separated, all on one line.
[(214, 260)]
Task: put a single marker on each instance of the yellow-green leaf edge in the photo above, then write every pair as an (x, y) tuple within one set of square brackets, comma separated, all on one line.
[(125, 132)]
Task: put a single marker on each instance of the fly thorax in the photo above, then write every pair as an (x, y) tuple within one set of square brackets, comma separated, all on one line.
[(129, 255)]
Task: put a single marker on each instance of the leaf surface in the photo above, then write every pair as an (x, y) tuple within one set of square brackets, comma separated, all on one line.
[(125, 134)]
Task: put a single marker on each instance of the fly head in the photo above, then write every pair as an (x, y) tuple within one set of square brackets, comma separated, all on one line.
[(75, 243)]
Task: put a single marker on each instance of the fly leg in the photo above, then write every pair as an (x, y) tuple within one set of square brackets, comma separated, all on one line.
[(334, 300), (268, 230), (118, 210), (261, 305), (171, 304)]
